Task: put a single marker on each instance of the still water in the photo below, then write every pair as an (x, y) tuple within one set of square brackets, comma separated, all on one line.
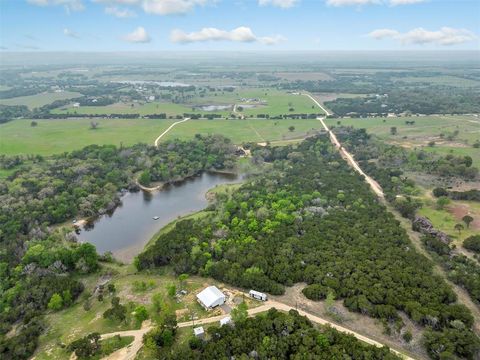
[(131, 226)]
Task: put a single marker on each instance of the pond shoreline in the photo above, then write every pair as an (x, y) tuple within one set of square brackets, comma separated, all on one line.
[(130, 227)]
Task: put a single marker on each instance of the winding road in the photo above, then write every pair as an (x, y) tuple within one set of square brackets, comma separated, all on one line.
[(168, 129), (129, 352)]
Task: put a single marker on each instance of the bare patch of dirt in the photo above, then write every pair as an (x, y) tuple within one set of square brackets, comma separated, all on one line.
[(460, 210)]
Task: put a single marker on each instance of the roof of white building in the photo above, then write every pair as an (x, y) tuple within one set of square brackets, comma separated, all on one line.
[(225, 320), (198, 330), (210, 295)]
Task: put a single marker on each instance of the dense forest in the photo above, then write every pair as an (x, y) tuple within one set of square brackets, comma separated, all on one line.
[(400, 190), (311, 219), (275, 335), (36, 260)]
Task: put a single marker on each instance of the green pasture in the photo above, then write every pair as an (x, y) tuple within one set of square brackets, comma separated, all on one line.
[(38, 100)]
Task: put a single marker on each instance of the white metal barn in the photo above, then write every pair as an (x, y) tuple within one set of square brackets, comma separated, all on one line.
[(257, 295), (211, 297)]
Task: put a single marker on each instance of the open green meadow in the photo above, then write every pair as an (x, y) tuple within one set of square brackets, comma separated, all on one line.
[(57, 136), (253, 102), (38, 100), (60, 135), (425, 130)]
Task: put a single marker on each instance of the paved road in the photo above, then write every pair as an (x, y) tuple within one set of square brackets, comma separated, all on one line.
[(169, 128), (377, 189)]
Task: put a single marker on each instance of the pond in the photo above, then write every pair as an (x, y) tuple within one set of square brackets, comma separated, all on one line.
[(214, 107), (132, 224)]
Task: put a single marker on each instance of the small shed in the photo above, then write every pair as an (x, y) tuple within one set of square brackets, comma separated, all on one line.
[(257, 295), (199, 332), (211, 297), (225, 321)]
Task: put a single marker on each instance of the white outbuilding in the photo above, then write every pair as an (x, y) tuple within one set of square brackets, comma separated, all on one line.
[(199, 332), (211, 297), (257, 295), (225, 321)]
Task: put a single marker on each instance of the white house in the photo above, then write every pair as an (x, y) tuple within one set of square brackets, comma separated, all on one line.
[(211, 297), (225, 321), (199, 332), (257, 295)]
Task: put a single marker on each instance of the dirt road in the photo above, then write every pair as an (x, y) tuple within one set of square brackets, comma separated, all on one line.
[(377, 189), (168, 129), (129, 352)]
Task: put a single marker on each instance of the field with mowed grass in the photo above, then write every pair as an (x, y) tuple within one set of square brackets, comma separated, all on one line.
[(60, 135), (38, 100), (252, 101), (57, 136), (426, 129)]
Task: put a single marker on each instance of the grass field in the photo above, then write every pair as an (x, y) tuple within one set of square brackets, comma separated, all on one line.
[(448, 80), (38, 100), (272, 102), (426, 129), (57, 136), (446, 219)]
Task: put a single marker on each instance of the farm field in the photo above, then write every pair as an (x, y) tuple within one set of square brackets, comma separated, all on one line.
[(440, 80), (272, 102), (38, 100), (425, 129), (245, 130), (60, 135)]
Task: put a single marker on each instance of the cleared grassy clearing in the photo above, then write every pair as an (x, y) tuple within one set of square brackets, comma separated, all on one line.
[(57, 136), (440, 80), (425, 129), (245, 130), (38, 100), (60, 135), (272, 102), (126, 108), (446, 219)]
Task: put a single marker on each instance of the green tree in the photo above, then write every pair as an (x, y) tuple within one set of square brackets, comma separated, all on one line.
[(459, 228), (240, 313), (182, 278), (393, 130), (145, 178), (171, 290), (140, 313), (291, 128), (56, 302), (467, 219), (442, 201)]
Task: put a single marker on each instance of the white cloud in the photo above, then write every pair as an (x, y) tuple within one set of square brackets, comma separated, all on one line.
[(119, 12), (139, 35), (70, 33), (383, 33), (161, 7), (405, 2), (70, 5), (284, 4), (352, 2), (446, 36), (240, 34), (371, 2)]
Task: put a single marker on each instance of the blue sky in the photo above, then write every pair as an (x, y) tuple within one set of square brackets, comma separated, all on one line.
[(166, 25)]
